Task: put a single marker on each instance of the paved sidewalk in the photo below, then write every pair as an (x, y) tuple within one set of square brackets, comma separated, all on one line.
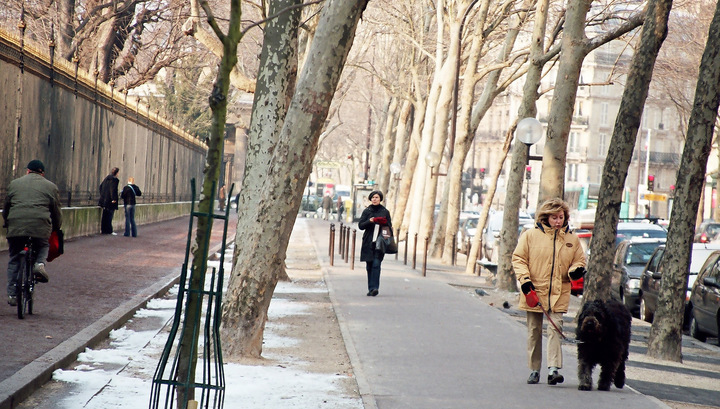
[(426, 342)]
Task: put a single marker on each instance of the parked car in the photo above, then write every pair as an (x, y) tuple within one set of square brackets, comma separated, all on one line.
[(491, 233), (629, 230), (708, 231), (631, 257), (466, 232), (651, 279), (704, 302)]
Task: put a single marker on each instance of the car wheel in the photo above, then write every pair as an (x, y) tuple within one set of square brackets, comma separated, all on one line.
[(645, 314), (695, 331)]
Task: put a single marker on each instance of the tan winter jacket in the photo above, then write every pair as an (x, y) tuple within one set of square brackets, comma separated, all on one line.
[(544, 256)]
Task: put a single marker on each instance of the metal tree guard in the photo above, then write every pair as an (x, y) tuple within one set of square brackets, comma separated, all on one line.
[(211, 383)]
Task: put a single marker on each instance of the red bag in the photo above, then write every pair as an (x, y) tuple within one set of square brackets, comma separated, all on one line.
[(56, 245)]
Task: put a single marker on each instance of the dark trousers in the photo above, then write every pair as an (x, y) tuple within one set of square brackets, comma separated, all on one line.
[(106, 220), (373, 273), (130, 227), (15, 247)]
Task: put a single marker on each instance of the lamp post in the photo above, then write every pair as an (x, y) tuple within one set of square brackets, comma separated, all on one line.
[(432, 159), (528, 131), (395, 169)]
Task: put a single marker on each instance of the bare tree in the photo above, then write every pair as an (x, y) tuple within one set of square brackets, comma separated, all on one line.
[(666, 333), (575, 47), (597, 283), (274, 206)]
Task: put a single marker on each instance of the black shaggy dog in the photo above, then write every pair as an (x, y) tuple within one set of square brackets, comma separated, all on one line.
[(604, 329)]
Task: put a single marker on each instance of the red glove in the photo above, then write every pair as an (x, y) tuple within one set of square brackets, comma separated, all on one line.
[(380, 220), (531, 299)]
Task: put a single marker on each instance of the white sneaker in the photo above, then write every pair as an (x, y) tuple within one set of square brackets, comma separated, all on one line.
[(40, 274), (114, 234)]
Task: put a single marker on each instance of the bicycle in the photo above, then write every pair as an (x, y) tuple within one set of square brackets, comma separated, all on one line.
[(25, 285)]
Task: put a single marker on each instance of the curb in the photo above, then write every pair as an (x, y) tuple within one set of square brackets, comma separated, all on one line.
[(33, 376), (15, 389)]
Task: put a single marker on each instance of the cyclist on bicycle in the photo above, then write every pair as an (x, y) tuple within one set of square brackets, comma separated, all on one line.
[(32, 209)]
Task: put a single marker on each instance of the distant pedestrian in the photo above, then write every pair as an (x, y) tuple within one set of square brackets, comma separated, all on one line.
[(129, 193), (340, 208), (109, 201), (546, 258), (326, 206), (221, 198), (31, 209), (372, 218)]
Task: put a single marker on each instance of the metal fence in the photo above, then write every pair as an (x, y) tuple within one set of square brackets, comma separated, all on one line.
[(81, 128)]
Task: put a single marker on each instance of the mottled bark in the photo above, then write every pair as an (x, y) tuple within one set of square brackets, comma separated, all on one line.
[(666, 333), (264, 243), (619, 156), (248, 296)]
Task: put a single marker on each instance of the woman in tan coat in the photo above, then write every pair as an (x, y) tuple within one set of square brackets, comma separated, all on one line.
[(545, 260)]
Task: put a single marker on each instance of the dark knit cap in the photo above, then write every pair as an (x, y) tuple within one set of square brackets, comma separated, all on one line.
[(36, 166)]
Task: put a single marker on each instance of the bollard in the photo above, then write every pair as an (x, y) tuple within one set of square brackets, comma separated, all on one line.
[(467, 251), (352, 260), (424, 269), (415, 251), (407, 240), (342, 236), (347, 245), (332, 244), (397, 237), (454, 251)]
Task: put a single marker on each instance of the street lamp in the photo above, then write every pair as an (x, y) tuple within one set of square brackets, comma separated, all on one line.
[(395, 169), (528, 131), (432, 159)]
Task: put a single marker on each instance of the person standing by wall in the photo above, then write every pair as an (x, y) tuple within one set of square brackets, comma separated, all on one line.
[(129, 193), (372, 218), (109, 201), (326, 206), (31, 209), (221, 198), (546, 258)]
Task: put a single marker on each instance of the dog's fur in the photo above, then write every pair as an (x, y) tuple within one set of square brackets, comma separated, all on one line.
[(604, 328)]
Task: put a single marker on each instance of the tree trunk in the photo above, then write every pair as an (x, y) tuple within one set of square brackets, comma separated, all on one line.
[(513, 194), (187, 353), (619, 156), (388, 146), (400, 156), (274, 89), (666, 333), (574, 50), (263, 245)]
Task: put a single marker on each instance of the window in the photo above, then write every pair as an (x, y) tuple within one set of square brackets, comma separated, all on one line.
[(602, 144), (573, 142), (572, 172), (604, 113)]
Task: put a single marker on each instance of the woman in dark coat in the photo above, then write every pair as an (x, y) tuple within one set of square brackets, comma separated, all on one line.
[(373, 215)]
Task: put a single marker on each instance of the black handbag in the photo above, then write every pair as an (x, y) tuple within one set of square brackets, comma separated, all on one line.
[(385, 242)]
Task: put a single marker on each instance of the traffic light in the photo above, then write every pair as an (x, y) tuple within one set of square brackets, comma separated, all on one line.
[(651, 183), (528, 172), (672, 190), (482, 173)]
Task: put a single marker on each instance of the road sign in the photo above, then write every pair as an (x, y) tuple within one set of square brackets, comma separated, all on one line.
[(658, 197)]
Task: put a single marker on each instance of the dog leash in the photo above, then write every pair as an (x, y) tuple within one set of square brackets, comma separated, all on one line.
[(566, 339)]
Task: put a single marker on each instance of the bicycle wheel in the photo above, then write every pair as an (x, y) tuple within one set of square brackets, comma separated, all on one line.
[(20, 287), (29, 281)]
